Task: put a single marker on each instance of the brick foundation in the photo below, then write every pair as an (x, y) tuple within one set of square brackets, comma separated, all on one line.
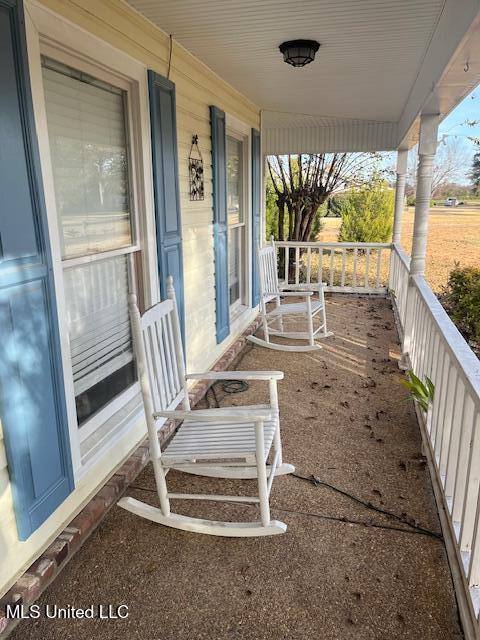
[(39, 575)]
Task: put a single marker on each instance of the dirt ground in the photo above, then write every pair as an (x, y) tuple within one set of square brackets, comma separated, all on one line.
[(341, 572), (454, 236)]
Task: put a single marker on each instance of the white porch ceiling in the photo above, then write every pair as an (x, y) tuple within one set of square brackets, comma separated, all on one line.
[(372, 54)]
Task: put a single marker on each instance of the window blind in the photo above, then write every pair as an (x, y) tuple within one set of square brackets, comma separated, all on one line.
[(88, 147), (98, 322)]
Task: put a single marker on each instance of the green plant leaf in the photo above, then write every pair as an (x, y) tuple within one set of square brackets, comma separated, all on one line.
[(431, 388), (422, 392)]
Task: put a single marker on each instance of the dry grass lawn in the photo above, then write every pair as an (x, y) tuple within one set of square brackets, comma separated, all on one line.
[(454, 236)]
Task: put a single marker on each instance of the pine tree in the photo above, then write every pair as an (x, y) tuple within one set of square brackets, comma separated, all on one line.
[(367, 213), (475, 174)]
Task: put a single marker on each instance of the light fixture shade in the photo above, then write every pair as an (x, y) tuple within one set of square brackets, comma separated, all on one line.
[(298, 53)]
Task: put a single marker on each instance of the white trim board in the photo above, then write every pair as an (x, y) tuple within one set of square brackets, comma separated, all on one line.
[(241, 131)]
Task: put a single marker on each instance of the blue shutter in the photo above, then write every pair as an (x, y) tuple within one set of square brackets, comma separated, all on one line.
[(32, 402), (166, 190), (256, 200), (220, 222)]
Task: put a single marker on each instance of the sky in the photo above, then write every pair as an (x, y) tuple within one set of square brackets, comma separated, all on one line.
[(468, 109), (454, 127)]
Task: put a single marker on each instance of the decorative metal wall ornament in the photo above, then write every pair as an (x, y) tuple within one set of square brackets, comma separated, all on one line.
[(195, 170), (299, 53)]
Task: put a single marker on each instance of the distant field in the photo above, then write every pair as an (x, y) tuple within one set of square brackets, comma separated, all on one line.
[(454, 236)]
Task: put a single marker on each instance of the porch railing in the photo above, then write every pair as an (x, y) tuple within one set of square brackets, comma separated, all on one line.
[(436, 349), (452, 429), (349, 267)]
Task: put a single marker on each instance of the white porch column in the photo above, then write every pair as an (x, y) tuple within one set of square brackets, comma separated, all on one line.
[(402, 158), (427, 147)]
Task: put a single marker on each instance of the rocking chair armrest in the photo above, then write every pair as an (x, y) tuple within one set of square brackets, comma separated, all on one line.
[(236, 375), (256, 415), (304, 288), (297, 294)]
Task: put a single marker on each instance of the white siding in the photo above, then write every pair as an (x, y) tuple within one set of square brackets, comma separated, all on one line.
[(297, 133)]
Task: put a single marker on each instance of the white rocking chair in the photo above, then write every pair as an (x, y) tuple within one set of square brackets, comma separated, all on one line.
[(274, 319), (230, 442)]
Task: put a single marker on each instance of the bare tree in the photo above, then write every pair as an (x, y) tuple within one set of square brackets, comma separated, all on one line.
[(303, 182), (452, 163)]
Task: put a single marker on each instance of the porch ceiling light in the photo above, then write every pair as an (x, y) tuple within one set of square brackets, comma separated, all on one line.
[(298, 53)]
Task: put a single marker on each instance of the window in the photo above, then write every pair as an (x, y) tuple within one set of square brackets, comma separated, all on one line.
[(236, 220), (88, 135)]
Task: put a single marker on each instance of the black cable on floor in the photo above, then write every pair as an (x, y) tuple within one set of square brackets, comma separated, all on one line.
[(228, 386), (316, 481), (413, 530)]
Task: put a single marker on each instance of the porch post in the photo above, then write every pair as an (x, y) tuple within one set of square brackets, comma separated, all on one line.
[(402, 157), (427, 148)]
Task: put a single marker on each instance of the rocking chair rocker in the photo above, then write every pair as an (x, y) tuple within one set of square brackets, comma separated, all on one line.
[(230, 442), (274, 319)]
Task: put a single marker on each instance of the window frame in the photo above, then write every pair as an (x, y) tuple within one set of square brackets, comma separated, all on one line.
[(238, 130), (51, 36), (93, 423)]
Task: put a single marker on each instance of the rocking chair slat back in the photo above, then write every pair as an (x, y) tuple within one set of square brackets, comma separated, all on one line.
[(267, 257), (160, 355)]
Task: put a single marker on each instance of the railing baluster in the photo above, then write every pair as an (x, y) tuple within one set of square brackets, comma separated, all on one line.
[(429, 358), (344, 264), (439, 377), (309, 264), (434, 369), (379, 263), (297, 265), (471, 493), (463, 450), (414, 343), (367, 266), (457, 425), (320, 266), (332, 257), (287, 264), (355, 256), (422, 333), (452, 390), (441, 407)]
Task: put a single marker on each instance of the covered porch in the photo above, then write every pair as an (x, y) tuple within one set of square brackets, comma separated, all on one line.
[(343, 570)]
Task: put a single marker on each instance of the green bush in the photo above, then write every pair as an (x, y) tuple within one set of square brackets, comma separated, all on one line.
[(271, 212), (461, 297), (367, 214)]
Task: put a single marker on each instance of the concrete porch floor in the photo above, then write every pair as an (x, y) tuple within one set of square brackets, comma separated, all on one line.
[(342, 571)]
